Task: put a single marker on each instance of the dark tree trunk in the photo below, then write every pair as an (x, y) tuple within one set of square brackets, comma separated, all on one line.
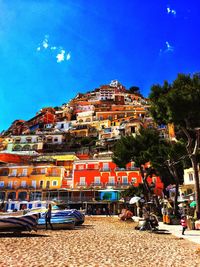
[(197, 187), (176, 199), (146, 185)]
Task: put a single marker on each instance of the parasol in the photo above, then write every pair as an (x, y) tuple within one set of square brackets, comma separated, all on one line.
[(133, 200), (193, 204)]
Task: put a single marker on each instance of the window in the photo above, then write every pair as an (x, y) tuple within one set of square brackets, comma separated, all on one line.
[(134, 180), (55, 183), (17, 140), (23, 183), (42, 171), (111, 180), (1, 183), (80, 167), (48, 184), (34, 184), (154, 180), (124, 180), (24, 172), (10, 184), (56, 139), (29, 139), (105, 167), (62, 126), (189, 191), (41, 184), (132, 165), (13, 172), (97, 180), (132, 129), (96, 166), (82, 180), (190, 176)]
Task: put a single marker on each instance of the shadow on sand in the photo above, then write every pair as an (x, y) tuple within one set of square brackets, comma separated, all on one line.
[(20, 235), (162, 232), (85, 226)]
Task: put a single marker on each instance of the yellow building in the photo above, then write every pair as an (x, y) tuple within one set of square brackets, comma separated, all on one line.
[(22, 182)]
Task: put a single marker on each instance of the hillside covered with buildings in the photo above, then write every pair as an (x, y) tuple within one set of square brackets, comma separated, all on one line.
[(64, 152)]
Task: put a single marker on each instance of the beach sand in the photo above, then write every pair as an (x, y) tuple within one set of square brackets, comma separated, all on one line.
[(98, 242)]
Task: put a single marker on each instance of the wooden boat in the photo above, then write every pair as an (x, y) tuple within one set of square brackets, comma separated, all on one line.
[(18, 223)]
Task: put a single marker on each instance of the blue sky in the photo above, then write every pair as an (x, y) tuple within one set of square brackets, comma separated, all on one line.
[(52, 49)]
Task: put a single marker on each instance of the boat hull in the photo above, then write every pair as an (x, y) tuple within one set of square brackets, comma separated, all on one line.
[(57, 224), (18, 223)]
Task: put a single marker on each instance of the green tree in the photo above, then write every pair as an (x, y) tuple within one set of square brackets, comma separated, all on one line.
[(137, 148), (179, 103), (147, 146), (134, 90)]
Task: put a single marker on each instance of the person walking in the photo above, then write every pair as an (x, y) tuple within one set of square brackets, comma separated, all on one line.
[(184, 224), (48, 217)]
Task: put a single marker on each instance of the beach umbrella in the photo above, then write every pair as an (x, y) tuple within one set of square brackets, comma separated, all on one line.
[(133, 200), (193, 204)]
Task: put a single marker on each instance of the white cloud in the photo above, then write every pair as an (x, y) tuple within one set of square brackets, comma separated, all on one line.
[(68, 56), (61, 56), (60, 52), (168, 49), (171, 11), (45, 44)]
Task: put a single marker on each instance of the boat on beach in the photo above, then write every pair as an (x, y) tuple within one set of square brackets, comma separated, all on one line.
[(58, 222), (19, 223), (58, 215)]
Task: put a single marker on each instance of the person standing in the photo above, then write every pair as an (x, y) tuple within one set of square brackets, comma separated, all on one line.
[(184, 224), (48, 217), (164, 213)]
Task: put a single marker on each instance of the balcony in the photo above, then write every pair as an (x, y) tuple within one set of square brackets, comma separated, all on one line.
[(81, 185), (132, 169), (97, 184), (53, 174), (120, 169), (111, 184), (37, 173), (4, 174), (105, 169)]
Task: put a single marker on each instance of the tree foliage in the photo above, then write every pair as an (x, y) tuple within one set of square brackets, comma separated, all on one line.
[(179, 103)]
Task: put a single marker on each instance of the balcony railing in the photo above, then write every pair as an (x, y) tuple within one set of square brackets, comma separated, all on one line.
[(81, 184), (111, 184), (37, 173), (53, 174), (126, 169), (97, 184), (105, 169), (88, 169)]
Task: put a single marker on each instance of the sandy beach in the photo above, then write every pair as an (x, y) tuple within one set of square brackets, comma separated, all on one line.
[(98, 242)]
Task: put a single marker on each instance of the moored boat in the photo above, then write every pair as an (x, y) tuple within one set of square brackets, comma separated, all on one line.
[(57, 222), (57, 214), (18, 223)]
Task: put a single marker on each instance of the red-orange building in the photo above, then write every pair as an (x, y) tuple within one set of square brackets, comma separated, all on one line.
[(105, 174)]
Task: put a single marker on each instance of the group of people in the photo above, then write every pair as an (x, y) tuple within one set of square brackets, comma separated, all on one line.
[(99, 211)]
